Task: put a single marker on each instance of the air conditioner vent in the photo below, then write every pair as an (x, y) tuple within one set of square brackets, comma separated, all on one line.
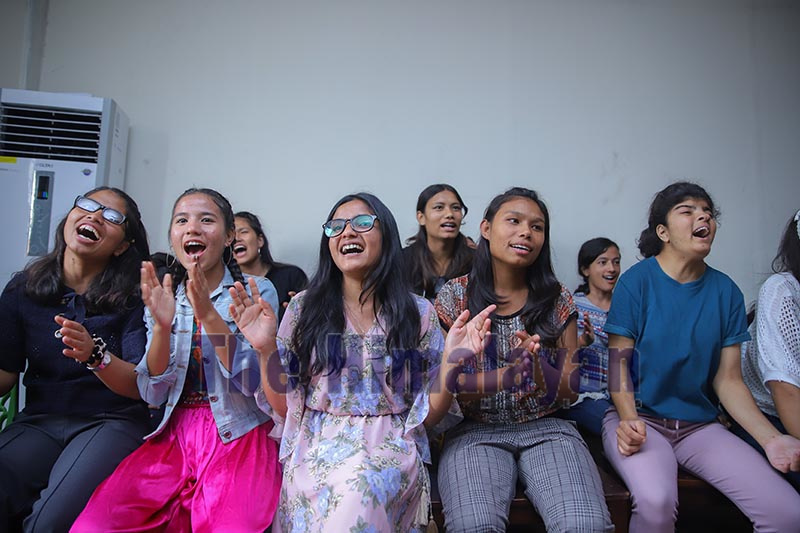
[(49, 133)]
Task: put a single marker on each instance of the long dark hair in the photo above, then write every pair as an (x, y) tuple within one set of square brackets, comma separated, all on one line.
[(322, 319), (788, 258), (663, 202), (263, 253), (591, 250), (117, 287), (543, 287), (175, 267), (420, 266)]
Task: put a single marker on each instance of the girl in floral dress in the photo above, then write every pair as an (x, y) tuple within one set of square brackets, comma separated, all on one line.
[(362, 354)]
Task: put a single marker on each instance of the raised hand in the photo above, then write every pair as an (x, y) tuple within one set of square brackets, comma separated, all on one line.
[(467, 338), (464, 345), (158, 298), (254, 317), (521, 362), (74, 335), (783, 453), (631, 435), (588, 332), (197, 291)]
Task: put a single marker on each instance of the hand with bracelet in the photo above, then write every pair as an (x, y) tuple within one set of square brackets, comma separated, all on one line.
[(82, 346)]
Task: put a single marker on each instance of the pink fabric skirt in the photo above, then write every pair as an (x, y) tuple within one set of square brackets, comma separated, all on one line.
[(187, 480)]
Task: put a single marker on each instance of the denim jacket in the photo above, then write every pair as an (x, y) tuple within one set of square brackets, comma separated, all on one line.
[(230, 393)]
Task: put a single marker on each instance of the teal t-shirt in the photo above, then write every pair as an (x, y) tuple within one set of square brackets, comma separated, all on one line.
[(679, 330)]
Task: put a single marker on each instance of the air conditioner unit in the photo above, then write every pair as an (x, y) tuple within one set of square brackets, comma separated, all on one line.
[(53, 147)]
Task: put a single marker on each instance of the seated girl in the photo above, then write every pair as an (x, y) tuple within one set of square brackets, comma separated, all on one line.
[(771, 360), (598, 265)]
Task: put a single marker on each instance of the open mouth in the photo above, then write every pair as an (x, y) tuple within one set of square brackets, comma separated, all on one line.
[(193, 248), (610, 277), (521, 247), (88, 232), (239, 249), (449, 226), (702, 232), (351, 248)]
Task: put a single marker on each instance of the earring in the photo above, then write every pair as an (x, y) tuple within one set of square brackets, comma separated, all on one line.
[(259, 251), (171, 255)]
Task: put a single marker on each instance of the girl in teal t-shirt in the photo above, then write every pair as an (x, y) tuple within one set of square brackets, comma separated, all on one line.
[(675, 327)]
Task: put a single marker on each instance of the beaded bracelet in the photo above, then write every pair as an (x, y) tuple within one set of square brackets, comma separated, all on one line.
[(97, 351)]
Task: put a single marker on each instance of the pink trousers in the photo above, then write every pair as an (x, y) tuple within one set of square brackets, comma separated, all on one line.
[(187, 480)]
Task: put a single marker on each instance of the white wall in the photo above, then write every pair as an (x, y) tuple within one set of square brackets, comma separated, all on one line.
[(12, 42), (286, 106)]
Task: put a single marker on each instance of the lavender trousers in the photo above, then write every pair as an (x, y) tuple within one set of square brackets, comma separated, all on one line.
[(710, 452)]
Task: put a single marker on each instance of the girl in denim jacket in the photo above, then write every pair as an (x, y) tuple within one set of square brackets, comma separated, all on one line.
[(210, 465)]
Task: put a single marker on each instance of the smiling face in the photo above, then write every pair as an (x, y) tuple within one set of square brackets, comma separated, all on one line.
[(516, 235), (690, 229), (246, 245), (355, 254), (603, 273), (198, 232), (90, 235), (442, 217)]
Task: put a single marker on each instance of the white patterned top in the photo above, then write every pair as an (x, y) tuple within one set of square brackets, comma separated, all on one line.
[(774, 352)]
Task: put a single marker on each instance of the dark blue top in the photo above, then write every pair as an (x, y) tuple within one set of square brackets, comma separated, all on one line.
[(286, 278), (54, 383), (679, 330)]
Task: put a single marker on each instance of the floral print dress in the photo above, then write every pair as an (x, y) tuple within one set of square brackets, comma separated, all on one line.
[(353, 448)]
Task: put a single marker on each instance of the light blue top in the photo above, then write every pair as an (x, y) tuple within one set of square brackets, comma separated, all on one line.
[(230, 393), (679, 330)]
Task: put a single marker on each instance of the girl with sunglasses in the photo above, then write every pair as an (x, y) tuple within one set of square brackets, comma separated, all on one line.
[(360, 351), (251, 250), (674, 331), (72, 320), (439, 251), (509, 434), (210, 465)]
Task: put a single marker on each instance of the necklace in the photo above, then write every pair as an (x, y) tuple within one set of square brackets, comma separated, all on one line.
[(356, 320)]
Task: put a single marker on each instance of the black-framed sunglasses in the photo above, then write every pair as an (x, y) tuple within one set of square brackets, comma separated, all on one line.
[(91, 206), (359, 223)]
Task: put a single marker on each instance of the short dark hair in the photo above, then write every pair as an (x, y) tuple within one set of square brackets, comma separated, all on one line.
[(663, 202)]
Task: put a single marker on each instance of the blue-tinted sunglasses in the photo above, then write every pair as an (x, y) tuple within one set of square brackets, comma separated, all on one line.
[(359, 223), (91, 206)]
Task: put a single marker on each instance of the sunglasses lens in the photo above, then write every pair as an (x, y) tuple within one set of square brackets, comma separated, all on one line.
[(90, 206), (334, 227), (87, 204), (362, 223), (113, 216)]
